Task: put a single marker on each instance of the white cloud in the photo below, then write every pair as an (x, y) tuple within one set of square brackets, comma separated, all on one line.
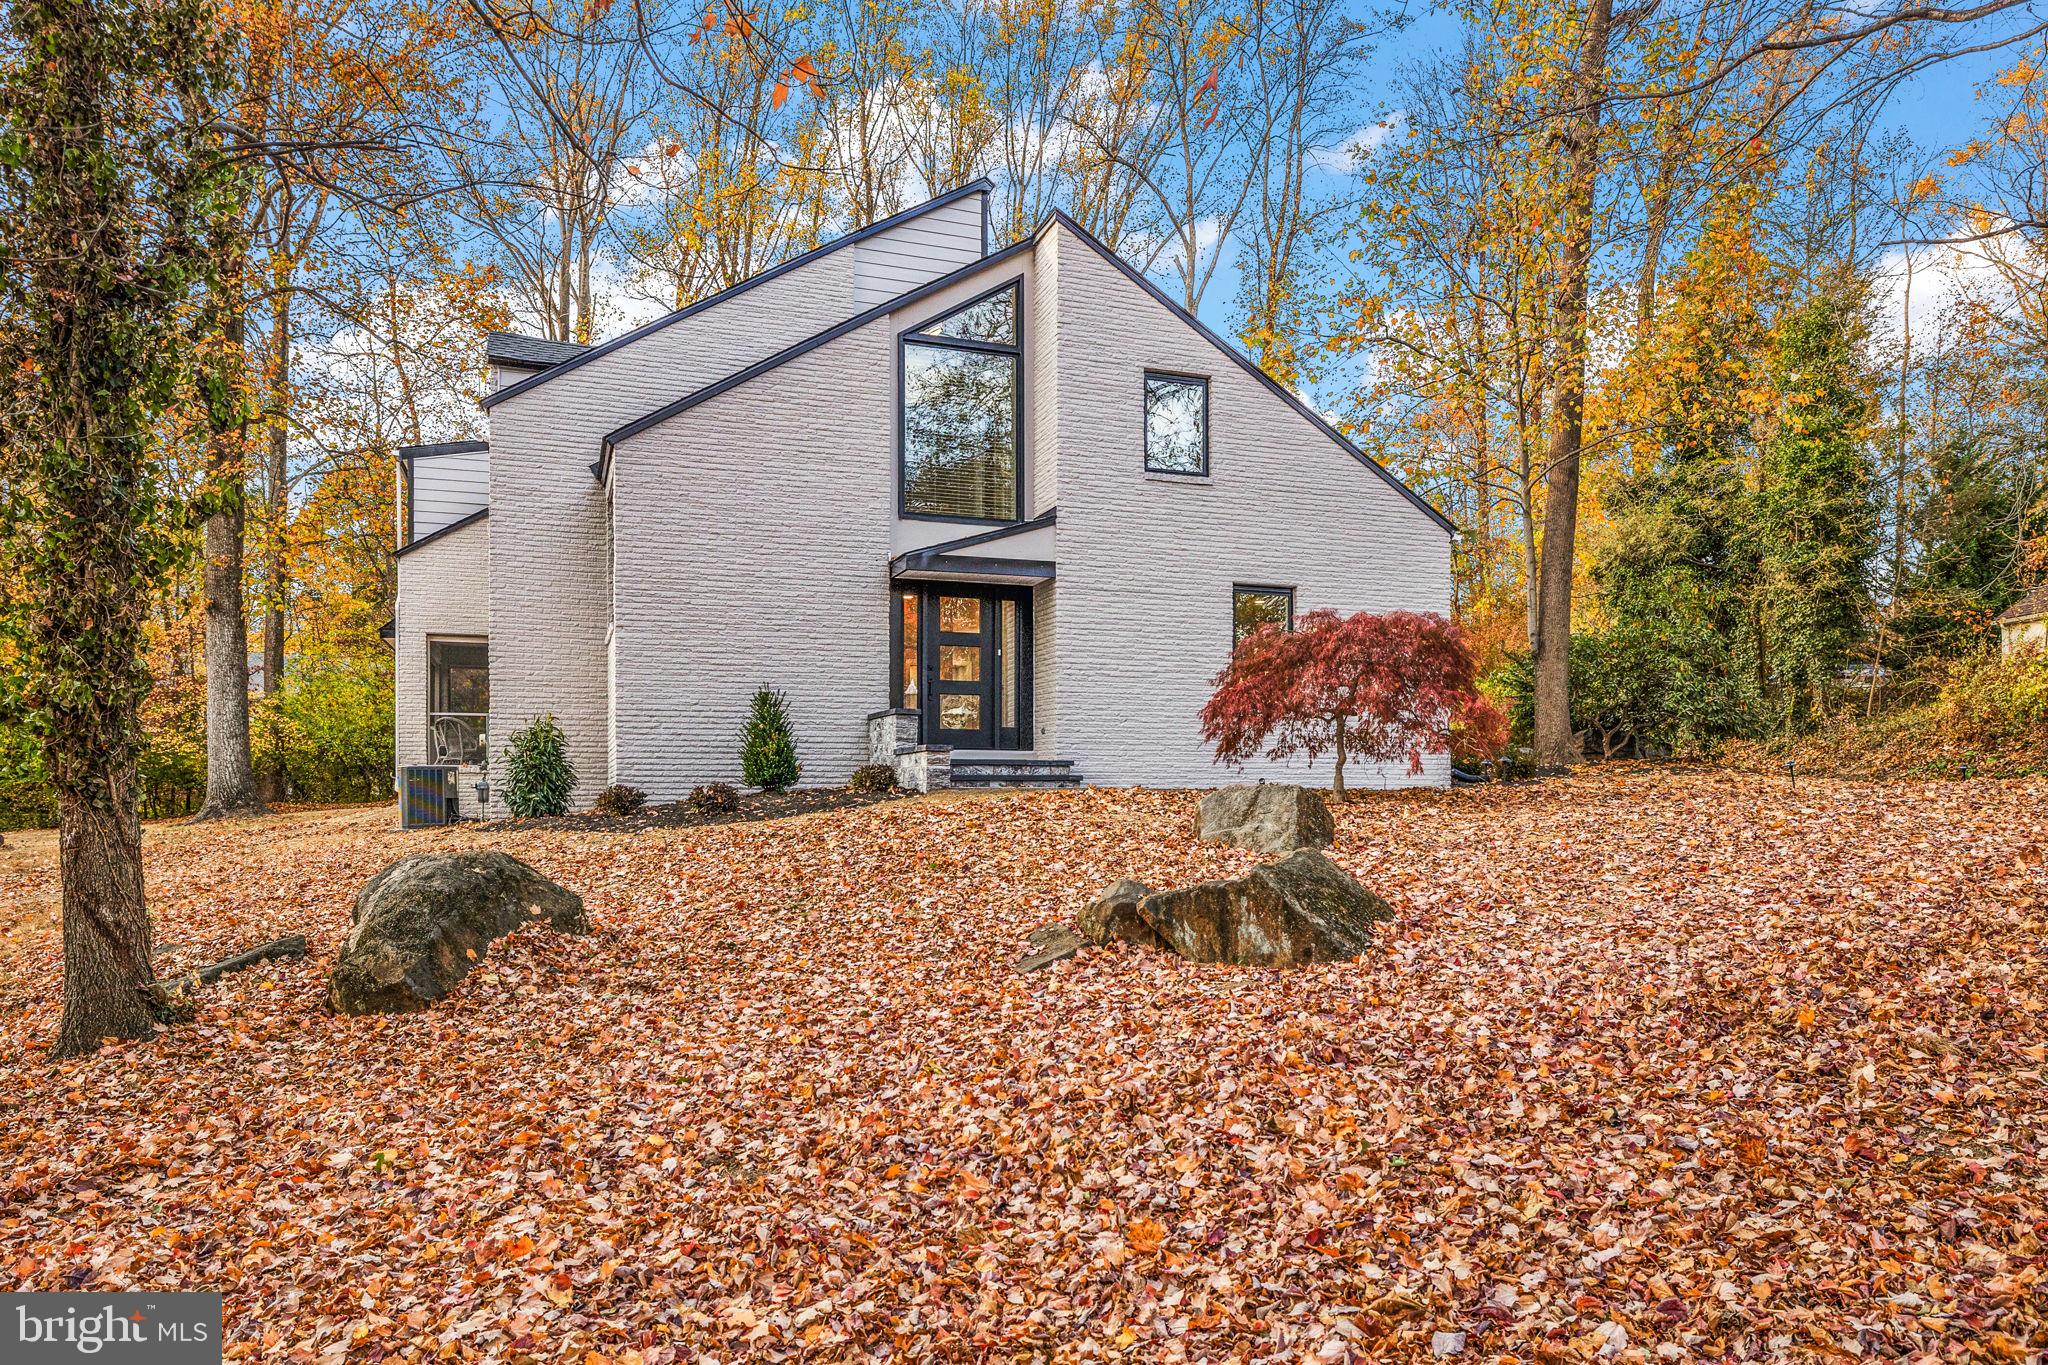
[(1354, 151), (1941, 273)]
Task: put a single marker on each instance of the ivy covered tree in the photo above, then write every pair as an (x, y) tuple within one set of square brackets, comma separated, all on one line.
[(1816, 511), (105, 183)]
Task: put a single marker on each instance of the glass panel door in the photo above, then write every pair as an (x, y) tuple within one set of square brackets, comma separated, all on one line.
[(962, 685), (966, 665)]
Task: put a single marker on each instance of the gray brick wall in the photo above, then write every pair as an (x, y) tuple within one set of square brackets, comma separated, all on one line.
[(1146, 563), (772, 570), (442, 591), (549, 527)]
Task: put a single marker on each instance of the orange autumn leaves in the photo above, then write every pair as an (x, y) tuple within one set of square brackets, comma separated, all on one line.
[(1671, 1059)]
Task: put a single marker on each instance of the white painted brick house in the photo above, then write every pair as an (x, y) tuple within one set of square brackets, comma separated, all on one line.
[(1006, 507)]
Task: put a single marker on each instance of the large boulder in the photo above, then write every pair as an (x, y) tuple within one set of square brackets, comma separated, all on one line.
[(1114, 915), (1303, 908), (424, 921), (1271, 818)]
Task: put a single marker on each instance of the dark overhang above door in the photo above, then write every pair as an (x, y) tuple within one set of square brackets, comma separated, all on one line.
[(979, 558)]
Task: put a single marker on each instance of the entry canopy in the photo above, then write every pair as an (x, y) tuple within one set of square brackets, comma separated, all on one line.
[(1019, 555)]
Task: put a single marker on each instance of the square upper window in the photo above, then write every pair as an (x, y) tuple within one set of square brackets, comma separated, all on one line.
[(1176, 424), (1254, 608)]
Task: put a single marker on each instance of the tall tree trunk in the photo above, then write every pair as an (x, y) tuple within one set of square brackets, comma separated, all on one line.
[(276, 489), (1580, 138), (230, 774), (107, 971), (98, 217)]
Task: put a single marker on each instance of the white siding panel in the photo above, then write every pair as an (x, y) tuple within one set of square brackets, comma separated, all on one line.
[(1146, 565), (447, 488), (906, 256), (443, 590)]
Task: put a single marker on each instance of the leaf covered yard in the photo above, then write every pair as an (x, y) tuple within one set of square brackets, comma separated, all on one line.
[(1654, 1065)]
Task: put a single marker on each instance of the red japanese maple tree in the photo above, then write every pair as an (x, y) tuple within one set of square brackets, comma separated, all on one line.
[(1374, 687)]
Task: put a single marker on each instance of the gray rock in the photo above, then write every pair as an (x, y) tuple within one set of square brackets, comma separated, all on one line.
[(1054, 943), (1271, 818), (422, 923), (1303, 908), (1114, 915)]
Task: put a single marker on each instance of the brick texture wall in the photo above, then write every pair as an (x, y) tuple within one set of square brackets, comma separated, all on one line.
[(443, 589), (551, 568), (1146, 563)]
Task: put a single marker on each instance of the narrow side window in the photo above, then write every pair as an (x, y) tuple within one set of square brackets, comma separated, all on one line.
[(1176, 424)]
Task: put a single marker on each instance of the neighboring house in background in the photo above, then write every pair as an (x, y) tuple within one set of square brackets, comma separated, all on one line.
[(2025, 622), (1004, 511)]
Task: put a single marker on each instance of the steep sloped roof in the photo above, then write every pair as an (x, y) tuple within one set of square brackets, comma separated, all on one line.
[(982, 186), (601, 467), (2032, 607), (533, 353)]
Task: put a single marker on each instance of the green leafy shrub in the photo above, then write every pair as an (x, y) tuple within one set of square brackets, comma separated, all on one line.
[(872, 777), (1982, 717), (538, 774), (620, 799), (329, 728), (768, 744), (715, 798)]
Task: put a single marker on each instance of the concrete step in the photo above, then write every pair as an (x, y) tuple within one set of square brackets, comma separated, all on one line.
[(1015, 772)]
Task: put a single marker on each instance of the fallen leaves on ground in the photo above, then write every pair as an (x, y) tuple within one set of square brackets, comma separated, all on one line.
[(1655, 1065)]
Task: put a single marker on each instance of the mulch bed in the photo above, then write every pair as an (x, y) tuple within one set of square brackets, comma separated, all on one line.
[(678, 814)]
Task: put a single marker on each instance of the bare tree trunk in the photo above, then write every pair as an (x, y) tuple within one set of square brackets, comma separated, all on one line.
[(230, 775), (1555, 746), (107, 972), (279, 511), (1337, 781)]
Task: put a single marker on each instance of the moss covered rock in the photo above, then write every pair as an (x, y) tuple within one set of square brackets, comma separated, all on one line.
[(1301, 909), (422, 923)]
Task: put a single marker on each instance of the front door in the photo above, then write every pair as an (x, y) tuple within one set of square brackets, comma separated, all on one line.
[(975, 666)]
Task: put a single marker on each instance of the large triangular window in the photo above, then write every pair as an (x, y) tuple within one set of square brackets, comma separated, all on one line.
[(962, 411), (991, 318)]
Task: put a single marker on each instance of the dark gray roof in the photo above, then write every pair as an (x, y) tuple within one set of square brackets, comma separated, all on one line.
[(530, 353), (982, 186)]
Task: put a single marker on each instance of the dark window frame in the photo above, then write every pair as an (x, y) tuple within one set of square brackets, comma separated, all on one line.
[(1145, 421), (1238, 590), (482, 718), (927, 592), (919, 337)]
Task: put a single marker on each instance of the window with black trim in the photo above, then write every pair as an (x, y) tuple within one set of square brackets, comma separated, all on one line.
[(1176, 423), (1253, 607), (962, 408)]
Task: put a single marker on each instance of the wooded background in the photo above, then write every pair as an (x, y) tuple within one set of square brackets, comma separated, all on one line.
[(1663, 286)]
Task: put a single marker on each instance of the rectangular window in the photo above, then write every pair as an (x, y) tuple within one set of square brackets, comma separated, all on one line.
[(458, 700), (908, 700), (962, 408), (1176, 424), (1013, 685), (1251, 608)]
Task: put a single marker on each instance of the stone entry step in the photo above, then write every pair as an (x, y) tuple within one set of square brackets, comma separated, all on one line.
[(1015, 772)]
